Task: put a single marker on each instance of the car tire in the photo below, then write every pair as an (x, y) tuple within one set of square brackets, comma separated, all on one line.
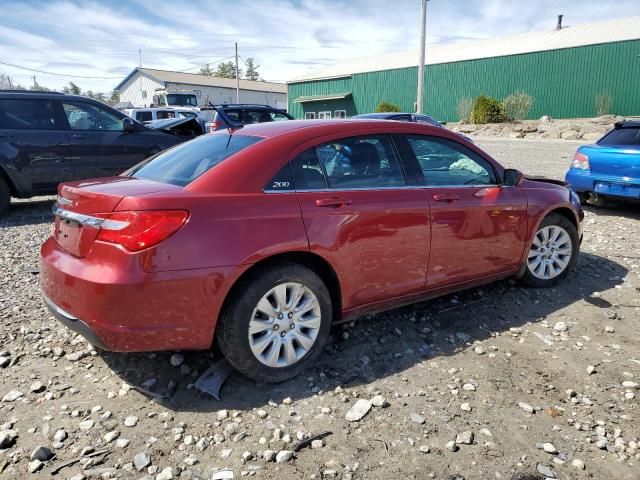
[(276, 322), (549, 260), (5, 197)]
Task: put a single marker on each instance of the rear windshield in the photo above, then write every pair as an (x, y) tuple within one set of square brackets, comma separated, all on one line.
[(181, 165), (622, 136)]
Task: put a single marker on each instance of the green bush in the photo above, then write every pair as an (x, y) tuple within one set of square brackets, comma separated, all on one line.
[(487, 110), (517, 106), (387, 107), (465, 105)]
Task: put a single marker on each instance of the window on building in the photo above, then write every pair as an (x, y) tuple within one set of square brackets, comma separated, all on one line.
[(340, 114), (144, 94), (309, 115), (324, 114)]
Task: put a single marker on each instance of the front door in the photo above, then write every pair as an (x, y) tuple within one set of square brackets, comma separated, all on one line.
[(478, 227), (34, 144), (362, 217), (99, 145)]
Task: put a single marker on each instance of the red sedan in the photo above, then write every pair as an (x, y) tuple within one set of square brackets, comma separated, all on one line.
[(260, 238)]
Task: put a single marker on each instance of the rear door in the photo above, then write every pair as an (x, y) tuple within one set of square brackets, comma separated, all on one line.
[(99, 145), (34, 144), (363, 217), (478, 227)]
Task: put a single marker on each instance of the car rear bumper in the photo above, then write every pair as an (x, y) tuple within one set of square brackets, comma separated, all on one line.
[(110, 300), (74, 323), (587, 181)]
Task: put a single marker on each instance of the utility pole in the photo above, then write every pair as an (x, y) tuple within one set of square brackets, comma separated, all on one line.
[(139, 57), (35, 84), (423, 26), (237, 77)]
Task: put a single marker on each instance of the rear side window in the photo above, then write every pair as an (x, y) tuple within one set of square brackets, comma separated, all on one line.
[(307, 172), (622, 136), (181, 165), (349, 163), (27, 115), (144, 116)]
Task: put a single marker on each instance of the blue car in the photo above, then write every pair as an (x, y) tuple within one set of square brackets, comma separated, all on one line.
[(610, 168)]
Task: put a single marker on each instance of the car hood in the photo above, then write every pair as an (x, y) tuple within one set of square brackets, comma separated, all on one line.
[(541, 182), (185, 127)]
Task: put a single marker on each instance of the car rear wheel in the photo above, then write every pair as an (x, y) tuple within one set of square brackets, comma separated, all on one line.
[(553, 253), (5, 197), (276, 323)]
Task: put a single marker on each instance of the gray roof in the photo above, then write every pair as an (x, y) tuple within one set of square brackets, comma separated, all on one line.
[(616, 30), (167, 76)]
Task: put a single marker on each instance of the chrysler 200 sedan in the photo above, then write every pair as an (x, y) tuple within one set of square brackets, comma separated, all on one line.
[(260, 238)]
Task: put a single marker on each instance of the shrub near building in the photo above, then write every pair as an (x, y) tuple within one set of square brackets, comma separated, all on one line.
[(487, 110)]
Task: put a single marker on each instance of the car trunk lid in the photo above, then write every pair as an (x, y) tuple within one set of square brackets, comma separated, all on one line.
[(619, 161), (79, 207)]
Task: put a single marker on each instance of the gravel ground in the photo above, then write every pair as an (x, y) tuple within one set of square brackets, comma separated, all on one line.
[(497, 382)]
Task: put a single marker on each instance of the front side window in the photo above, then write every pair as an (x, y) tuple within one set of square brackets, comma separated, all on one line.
[(447, 163), (86, 116), (27, 114), (278, 117), (181, 165)]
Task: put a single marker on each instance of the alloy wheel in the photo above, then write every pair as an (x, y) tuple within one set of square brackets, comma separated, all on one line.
[(550, 252), (284, 325)]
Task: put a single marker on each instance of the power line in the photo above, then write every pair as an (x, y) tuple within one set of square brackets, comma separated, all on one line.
[(57, 74), (213, 62)]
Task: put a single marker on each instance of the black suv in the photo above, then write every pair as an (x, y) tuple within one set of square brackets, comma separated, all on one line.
[(48, 138), (239, 114)]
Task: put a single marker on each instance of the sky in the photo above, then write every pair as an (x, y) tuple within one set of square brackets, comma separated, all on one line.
[(287, 38)]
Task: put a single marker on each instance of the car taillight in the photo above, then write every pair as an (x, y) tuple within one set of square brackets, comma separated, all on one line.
[(137, 230), (580, 161), (214, 126)]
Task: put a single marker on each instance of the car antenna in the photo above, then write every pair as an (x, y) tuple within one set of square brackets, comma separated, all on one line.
[(234, 126)]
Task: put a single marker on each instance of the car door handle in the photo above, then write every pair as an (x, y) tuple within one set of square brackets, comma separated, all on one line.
[(446, 197), (334, 202), (79, 136)]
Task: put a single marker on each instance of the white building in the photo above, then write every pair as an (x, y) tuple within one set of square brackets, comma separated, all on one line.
[(141, 84)]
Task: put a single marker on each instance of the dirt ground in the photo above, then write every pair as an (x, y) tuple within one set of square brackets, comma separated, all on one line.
[(498, 382)]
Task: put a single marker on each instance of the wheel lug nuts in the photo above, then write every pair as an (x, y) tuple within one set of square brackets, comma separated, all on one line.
[(290, 315), (283, 334), (276, 327), (292, 326), (280, 316)]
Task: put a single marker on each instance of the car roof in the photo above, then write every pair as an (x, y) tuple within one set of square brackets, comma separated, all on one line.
[(328, 126), (247, 105), (17, 94)]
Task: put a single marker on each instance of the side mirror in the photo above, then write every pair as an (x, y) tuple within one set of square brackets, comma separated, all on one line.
[(512, 177), (128, 125)]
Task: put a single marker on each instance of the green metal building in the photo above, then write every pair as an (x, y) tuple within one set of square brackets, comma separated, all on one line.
[(563, 69)]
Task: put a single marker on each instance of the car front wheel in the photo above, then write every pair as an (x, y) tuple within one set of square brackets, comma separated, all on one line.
[(276, 323), (553, 253)]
